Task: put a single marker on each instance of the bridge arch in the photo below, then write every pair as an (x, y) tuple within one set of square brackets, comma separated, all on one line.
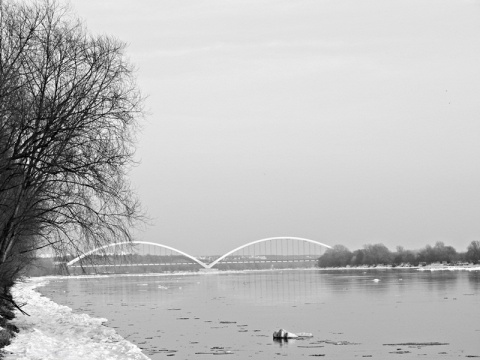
[(133, 243), (212, 264)]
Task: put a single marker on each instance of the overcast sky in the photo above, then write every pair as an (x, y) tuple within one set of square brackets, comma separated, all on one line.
[(345, 121)]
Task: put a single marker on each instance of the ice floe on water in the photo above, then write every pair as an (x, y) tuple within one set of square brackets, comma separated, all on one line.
[(54, 331)]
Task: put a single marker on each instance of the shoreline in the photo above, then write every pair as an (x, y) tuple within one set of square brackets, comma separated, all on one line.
[(431, 267), (54, 331)]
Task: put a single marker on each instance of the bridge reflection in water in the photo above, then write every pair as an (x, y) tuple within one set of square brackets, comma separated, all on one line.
[(266, 288), (146, 257)]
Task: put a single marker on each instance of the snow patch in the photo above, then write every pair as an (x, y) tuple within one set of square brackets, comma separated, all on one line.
[(434, 267), (54, 332)]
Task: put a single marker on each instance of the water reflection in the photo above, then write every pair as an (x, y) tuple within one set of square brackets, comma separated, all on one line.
[(474, 280), (283, 342), (270, 288), (260, 288), (276, 288)]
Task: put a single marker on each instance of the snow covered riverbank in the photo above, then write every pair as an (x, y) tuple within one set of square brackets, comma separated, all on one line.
[(431, 267), (53, 331)]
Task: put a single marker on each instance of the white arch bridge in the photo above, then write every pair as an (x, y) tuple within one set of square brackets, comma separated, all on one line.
[(269, 253)]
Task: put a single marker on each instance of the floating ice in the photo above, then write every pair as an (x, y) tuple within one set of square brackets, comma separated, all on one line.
[(284, 334)]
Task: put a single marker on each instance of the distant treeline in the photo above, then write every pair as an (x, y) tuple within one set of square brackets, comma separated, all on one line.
[(378, 254)]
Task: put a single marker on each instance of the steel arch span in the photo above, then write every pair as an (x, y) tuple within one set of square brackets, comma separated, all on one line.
[(201, 263), (212, 264), (135, 243)]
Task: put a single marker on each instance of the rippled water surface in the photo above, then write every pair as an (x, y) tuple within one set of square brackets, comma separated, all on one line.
[(383, 314)]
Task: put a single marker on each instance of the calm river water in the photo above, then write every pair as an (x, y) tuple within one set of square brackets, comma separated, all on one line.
[(403, 314)]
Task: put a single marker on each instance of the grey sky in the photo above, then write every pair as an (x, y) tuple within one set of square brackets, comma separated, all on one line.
[(344, 121)]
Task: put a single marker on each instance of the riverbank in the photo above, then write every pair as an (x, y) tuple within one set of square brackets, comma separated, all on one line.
[(53, 331), (440, 267), (431, 267)]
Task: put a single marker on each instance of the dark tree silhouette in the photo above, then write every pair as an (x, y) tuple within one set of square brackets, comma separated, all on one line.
[(376, 254), (338, 255), (68, 112), (437, 253), (473, 252)]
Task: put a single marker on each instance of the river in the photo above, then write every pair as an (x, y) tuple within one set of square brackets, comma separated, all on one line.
[(383, 314)]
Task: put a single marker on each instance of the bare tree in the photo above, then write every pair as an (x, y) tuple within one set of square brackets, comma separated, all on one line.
[(473, 251), (68, 113)]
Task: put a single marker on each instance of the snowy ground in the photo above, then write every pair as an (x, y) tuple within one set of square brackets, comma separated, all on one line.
[(54, 332), (438, 267)]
